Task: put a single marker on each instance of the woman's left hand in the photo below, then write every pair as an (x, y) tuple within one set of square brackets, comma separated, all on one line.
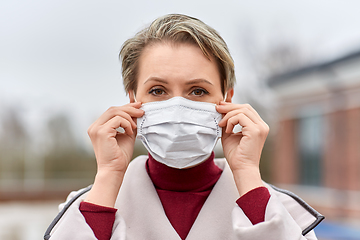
[(243, 149)]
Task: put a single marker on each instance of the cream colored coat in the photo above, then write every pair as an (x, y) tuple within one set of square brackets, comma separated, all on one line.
[(140, 214)]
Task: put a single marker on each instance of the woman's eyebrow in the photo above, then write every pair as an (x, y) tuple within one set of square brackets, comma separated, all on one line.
[(198, 81), (156, 79)]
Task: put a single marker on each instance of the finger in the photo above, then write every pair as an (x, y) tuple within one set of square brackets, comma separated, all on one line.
[(233, 113), (245, 111), (226, 107), (127, 117), (117, 122), (240, 119), (228, 115), (119, 111)]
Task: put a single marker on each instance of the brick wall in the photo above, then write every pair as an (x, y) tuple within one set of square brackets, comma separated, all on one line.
[(342, 150), (339, 195), (341, 153), (285, 161)]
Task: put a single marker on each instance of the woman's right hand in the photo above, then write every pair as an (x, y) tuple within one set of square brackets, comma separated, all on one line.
[(113, 150)]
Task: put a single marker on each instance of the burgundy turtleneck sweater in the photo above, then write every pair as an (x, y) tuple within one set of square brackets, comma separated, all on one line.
[(182, 192)]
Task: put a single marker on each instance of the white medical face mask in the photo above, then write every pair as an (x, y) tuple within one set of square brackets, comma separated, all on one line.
[(178, 132)]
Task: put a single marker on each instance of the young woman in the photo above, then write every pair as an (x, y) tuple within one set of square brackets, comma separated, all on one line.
[(179, 76)]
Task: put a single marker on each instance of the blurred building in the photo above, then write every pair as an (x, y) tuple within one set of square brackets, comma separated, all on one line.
[(317, 139)]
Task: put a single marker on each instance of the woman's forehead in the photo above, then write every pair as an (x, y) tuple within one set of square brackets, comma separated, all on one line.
[(174, 62)]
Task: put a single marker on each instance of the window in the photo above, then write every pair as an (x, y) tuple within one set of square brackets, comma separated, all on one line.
[(311, 140)]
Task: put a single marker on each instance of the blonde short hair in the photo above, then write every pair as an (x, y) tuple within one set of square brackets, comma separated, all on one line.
[(177, 28)]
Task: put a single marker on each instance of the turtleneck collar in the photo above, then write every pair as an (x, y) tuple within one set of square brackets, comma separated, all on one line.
[(198, 178)]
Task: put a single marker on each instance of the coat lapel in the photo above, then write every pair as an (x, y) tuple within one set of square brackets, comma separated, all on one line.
[(140, 206), (214, 220)]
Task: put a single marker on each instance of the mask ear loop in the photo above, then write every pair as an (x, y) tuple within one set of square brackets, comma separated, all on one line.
[(134, 96), (225, 97)]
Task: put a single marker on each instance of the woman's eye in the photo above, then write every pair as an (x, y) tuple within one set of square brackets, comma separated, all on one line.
[(157, 91), (199, 92)]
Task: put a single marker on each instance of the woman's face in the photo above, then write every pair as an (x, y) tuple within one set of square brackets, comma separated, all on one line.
[(168, 70)]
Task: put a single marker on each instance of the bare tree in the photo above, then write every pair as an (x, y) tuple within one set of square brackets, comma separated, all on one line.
[(61, 135), (66, 159), (12, 145), (264, 59), (277, 55)]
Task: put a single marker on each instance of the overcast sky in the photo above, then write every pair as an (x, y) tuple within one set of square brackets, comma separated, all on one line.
[(63, 55)]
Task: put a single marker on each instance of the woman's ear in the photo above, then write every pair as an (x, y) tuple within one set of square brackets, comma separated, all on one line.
[(132, 96), (229, 94)]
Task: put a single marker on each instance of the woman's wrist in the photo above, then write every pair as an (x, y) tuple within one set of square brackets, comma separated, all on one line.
[(105, 188), (247, 179)]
